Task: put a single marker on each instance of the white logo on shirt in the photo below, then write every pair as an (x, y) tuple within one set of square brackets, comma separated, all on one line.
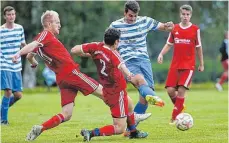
[(176, 33), (182, 41)]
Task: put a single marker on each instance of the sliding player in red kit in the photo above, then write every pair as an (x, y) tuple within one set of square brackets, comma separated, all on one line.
[(110, 69), (185, 38)]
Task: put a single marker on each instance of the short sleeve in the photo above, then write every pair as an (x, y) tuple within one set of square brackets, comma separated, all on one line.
[(152, 24), (43, 38), (89, 47), (23, 36), (198, 39), (170, 39)]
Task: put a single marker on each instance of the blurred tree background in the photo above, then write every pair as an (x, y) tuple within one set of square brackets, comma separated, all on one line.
[(86, 21)]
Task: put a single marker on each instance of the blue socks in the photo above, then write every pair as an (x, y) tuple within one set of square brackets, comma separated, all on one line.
[(131, 128), (4, 108), (96, 132), (140, 108), (146, 90)]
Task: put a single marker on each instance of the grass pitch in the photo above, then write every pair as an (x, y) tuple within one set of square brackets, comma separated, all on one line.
[(209, 109)]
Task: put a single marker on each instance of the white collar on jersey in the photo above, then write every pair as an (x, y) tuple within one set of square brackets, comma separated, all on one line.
[(190, 24)]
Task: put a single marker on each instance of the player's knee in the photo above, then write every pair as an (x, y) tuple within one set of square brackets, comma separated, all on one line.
[(171, 92), (17, 95), (138, 80), (8, 92)]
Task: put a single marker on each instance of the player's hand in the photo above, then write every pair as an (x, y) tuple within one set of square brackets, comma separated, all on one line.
[(15, 58), (169, 26), (201, 68), (160, 59)]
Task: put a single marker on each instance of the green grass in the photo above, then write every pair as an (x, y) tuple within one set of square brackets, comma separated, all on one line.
[(209, 109)]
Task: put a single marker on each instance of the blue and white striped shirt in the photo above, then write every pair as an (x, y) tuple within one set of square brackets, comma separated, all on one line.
[(11, 40), (133, 37)]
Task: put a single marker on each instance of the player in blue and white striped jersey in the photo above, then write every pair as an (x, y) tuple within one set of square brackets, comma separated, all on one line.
[(12, 39), (133, 50)]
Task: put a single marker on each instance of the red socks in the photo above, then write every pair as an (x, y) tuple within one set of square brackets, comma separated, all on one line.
[(104, 131), (53, 122), (178, 107)]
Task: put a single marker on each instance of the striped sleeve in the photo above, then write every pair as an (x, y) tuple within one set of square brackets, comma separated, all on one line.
[(152, 24), (23, 36)]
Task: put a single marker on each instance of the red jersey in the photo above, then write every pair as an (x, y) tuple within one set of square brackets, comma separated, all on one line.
[(107, 63), (185, 40), (55, 55)]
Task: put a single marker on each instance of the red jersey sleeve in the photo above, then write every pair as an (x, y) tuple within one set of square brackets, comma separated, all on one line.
[(89, 47), (43, 38), (170, 39), (198, 39)]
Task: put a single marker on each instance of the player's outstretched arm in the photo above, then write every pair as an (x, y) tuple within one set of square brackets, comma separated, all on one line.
[(165, 49), (31, 58), (25, 50), (77, 50), (201, 58), (168, 26)]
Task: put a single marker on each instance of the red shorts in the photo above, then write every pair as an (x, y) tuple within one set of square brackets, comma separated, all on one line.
[(74, 82), (179, 77), (118, 103), (225, 65)]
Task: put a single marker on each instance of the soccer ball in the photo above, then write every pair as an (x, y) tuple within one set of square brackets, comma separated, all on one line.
[(184, 121)]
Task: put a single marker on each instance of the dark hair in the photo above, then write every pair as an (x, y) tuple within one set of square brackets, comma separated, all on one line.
[(8, 8), (132, 5), (111, 35)]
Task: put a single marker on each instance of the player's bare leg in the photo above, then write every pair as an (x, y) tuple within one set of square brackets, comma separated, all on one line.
[(65, 115)]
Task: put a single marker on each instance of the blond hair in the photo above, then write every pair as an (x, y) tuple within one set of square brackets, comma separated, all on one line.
[(186, 7), (48, 16)]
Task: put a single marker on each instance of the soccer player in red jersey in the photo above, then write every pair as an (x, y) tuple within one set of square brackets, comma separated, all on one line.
[(110, 69), (185, 38), (69, 78), (224, 60)]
